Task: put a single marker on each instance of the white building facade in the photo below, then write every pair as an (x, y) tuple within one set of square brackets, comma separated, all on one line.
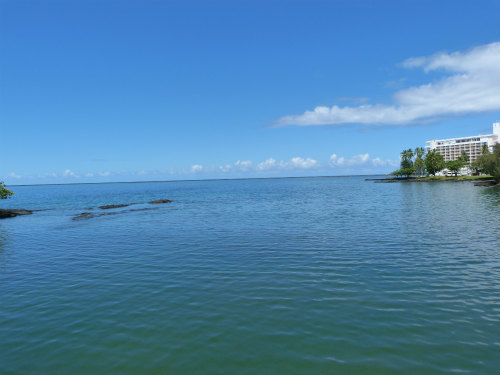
[(452, 148)]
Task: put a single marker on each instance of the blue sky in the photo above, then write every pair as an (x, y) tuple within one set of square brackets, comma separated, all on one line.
[(94, 91)]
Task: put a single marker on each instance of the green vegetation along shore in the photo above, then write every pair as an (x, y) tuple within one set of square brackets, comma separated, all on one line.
[(4, 192), (419, 166)]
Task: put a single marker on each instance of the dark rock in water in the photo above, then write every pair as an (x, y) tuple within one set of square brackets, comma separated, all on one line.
[(142, 209), (486, 183), (109, 206), (90, 215), (84, 215), (161, 201), (6, 212)]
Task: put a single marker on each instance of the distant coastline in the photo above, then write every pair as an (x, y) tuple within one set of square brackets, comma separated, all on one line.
[(201, 179), (479, 180)]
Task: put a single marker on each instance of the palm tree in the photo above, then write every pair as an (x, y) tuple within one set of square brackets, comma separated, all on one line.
[(419, 161), (419, 152), (406, 156), (484, 149), (464, 157)]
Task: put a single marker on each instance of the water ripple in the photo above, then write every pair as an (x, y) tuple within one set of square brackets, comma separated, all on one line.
[(299, 276)]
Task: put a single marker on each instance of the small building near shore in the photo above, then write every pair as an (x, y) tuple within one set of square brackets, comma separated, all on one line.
[(452, 148)]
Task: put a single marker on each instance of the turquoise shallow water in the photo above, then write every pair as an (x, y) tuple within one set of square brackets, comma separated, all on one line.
[(284, 276)]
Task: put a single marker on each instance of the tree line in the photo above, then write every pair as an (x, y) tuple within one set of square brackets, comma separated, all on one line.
[(419, 163)]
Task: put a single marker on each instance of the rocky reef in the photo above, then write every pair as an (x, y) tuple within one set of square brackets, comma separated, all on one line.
[(6, 212), (158, 201)]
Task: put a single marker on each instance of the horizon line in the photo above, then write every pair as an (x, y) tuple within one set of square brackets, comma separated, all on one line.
[(203, 179)]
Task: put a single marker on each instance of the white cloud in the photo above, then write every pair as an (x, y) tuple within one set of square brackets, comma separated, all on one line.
[(70, 173), (360, 160), (336, 161), (471, 86), (243, 165), (301, 163), (239, 166), (377, 162), (225, 168), (294, 163), (13, 175), (196, 168), (268, 164)]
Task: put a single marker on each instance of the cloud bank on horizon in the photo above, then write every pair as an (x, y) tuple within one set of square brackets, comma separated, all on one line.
[(471, 86), (335, 164)]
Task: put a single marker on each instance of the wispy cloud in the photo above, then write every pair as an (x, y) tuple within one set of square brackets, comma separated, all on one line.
[(296, 163), (301, 163), (243, 165), (295, 166), (239, 166), (266, 165), (196, 168), (70, 173), (361, 160), (470, 86), (14, 175)]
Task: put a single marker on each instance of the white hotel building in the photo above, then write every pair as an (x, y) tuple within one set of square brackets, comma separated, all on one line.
[(452, 148)]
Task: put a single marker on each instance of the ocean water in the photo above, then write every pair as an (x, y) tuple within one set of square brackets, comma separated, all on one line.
[(278, 276)]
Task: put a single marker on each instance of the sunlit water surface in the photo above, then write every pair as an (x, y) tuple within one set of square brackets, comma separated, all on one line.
[(283, 276)]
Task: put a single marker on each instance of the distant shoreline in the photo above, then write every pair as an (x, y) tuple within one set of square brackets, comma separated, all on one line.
[(479, 180)]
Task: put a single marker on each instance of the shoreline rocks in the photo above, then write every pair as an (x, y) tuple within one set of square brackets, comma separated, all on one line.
[(477, 182), (487, 183), (6, 212)]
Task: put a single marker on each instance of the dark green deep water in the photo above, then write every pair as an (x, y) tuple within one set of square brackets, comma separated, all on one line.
[(284, 276)]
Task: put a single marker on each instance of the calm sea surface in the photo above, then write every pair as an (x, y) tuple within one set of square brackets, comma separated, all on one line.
[(282, 276)]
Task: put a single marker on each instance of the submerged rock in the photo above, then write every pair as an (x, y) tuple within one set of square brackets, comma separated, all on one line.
[(84, 215), (161, 201), (142, 209), (91, 215), (7, 212), (109, 206), (486, 183)]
